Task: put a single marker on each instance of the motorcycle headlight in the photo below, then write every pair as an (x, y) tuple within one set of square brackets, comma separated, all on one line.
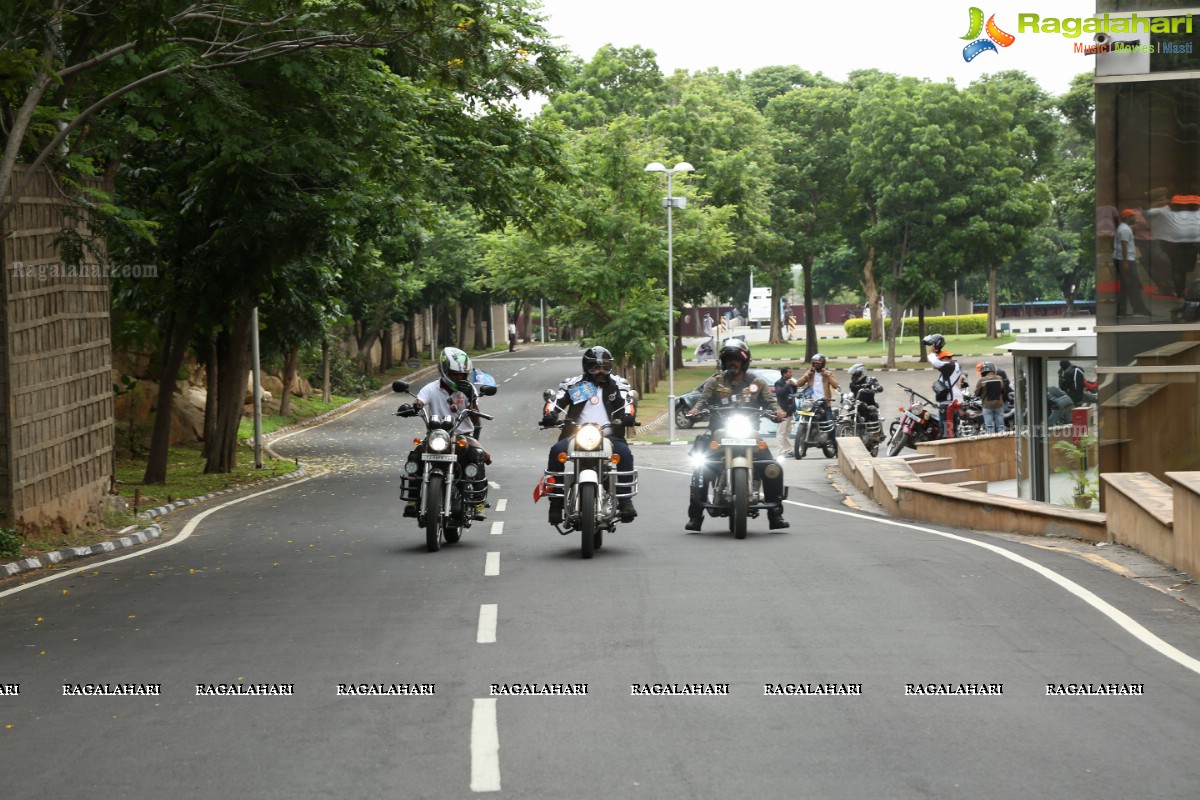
[(739, 428), (698, 460), (439, 441), (806, 405), (589, 437)]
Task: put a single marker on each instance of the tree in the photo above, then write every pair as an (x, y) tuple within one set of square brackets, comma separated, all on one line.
[(812, 191)]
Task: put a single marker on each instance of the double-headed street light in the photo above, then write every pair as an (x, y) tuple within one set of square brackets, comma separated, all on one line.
[(670, 202)]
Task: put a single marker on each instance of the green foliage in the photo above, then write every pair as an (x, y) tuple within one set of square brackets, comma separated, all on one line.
[(10, 543), (1077, 455), (966, 324)]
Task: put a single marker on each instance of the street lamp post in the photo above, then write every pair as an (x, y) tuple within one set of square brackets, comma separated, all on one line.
[(669, 203)]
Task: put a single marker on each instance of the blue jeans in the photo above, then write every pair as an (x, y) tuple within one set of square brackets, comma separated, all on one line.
[(993, 419)]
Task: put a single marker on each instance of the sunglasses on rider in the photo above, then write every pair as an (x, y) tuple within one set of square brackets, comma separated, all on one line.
[(600, 369)]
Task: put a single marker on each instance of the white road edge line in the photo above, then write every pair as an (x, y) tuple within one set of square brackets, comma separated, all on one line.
[(501, 505), (491, 566), (486, 633), (187, 531), (485, 746), (1126, 622), (497, 528)]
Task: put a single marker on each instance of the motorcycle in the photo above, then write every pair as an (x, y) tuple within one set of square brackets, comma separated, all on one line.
[(589, 485), (860, 416), (916, 424), (446, 492), (735, 491), (970, 416), (812, 429)]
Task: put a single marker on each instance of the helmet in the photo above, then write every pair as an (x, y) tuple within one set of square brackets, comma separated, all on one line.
[(734, 348), (597, 359), (455, 368), (819, 359), (986, 367), (936, 341), (858, 372)]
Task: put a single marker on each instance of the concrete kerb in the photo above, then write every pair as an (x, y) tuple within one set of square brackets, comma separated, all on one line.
[(153, 530)]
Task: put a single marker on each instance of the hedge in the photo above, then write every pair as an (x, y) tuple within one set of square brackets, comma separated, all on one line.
[(967, 323)]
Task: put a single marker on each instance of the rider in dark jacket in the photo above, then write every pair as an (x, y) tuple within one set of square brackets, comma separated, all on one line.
[(733, 381), (603, 398)]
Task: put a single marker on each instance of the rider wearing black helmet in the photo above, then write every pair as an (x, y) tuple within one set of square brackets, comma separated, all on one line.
[(603, 398), (950, 376), (732, 381)]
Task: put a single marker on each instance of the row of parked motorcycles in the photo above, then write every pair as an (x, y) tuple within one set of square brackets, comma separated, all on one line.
[(858, 416), (921, 419)]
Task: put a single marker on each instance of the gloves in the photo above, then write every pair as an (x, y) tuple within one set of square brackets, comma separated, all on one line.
[(619, 416), (406, 410), (549, 420)]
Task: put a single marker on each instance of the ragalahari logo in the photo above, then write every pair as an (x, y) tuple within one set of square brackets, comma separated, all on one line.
[(995, 36)]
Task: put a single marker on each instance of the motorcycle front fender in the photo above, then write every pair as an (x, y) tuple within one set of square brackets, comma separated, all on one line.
[(588, 475)]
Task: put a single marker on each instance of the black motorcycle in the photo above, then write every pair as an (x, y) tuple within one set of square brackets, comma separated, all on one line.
[(447, 489), (812, 429), (860, 416)]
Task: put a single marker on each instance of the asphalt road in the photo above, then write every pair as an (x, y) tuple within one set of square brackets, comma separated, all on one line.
[(321, 582)]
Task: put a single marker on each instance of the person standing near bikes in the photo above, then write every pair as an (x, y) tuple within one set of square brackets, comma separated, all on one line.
[(822, 382), (785, 395), (948, 387)]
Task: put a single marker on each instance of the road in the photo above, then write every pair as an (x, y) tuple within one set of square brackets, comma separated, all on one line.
[(318, 583)]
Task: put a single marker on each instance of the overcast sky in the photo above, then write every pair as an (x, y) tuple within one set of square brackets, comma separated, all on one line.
[(922, 38)]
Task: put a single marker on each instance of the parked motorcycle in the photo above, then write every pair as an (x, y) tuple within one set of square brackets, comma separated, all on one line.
[(447, 492), (812, 429), (859, 416), (918, 423), (734, 491), (589, 484)]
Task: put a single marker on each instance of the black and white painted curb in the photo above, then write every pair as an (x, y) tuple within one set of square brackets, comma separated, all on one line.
[(152, 530)]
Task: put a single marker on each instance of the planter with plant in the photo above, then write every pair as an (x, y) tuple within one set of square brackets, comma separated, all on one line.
[(1085, 490)]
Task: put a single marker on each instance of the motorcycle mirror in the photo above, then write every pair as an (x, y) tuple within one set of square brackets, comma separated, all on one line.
[(487, 391), (399, 386), (634, 394), (548, 395)]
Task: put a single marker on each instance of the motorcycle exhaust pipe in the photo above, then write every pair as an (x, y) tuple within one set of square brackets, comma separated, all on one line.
[(772, 471)]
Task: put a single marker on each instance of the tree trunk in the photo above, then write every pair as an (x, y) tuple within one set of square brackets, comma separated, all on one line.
[(326, 392), (289, 375), (528, 321), (776, 336), (993, 308), (385, 349), (480, 312), (810, 320), (872, 291), (234, 361), (175, 344), (210, 395)]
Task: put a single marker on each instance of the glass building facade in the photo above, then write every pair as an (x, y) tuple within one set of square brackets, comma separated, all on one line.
[(1148, 179)]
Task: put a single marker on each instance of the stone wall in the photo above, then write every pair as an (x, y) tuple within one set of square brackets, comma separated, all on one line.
[(56, 428)]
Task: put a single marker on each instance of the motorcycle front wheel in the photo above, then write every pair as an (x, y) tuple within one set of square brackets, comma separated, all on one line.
[(830, 448), (433, 512), (587, 519), (741, 501), (897, 442)]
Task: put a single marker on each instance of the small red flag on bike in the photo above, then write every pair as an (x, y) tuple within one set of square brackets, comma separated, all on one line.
[(542, 488)]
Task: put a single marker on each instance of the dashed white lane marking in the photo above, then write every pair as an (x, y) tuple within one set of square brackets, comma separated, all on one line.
[(486, 634), (187, 531), (501, 505), (485, 747), (497, 528), (492, 565), (493, 484)]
